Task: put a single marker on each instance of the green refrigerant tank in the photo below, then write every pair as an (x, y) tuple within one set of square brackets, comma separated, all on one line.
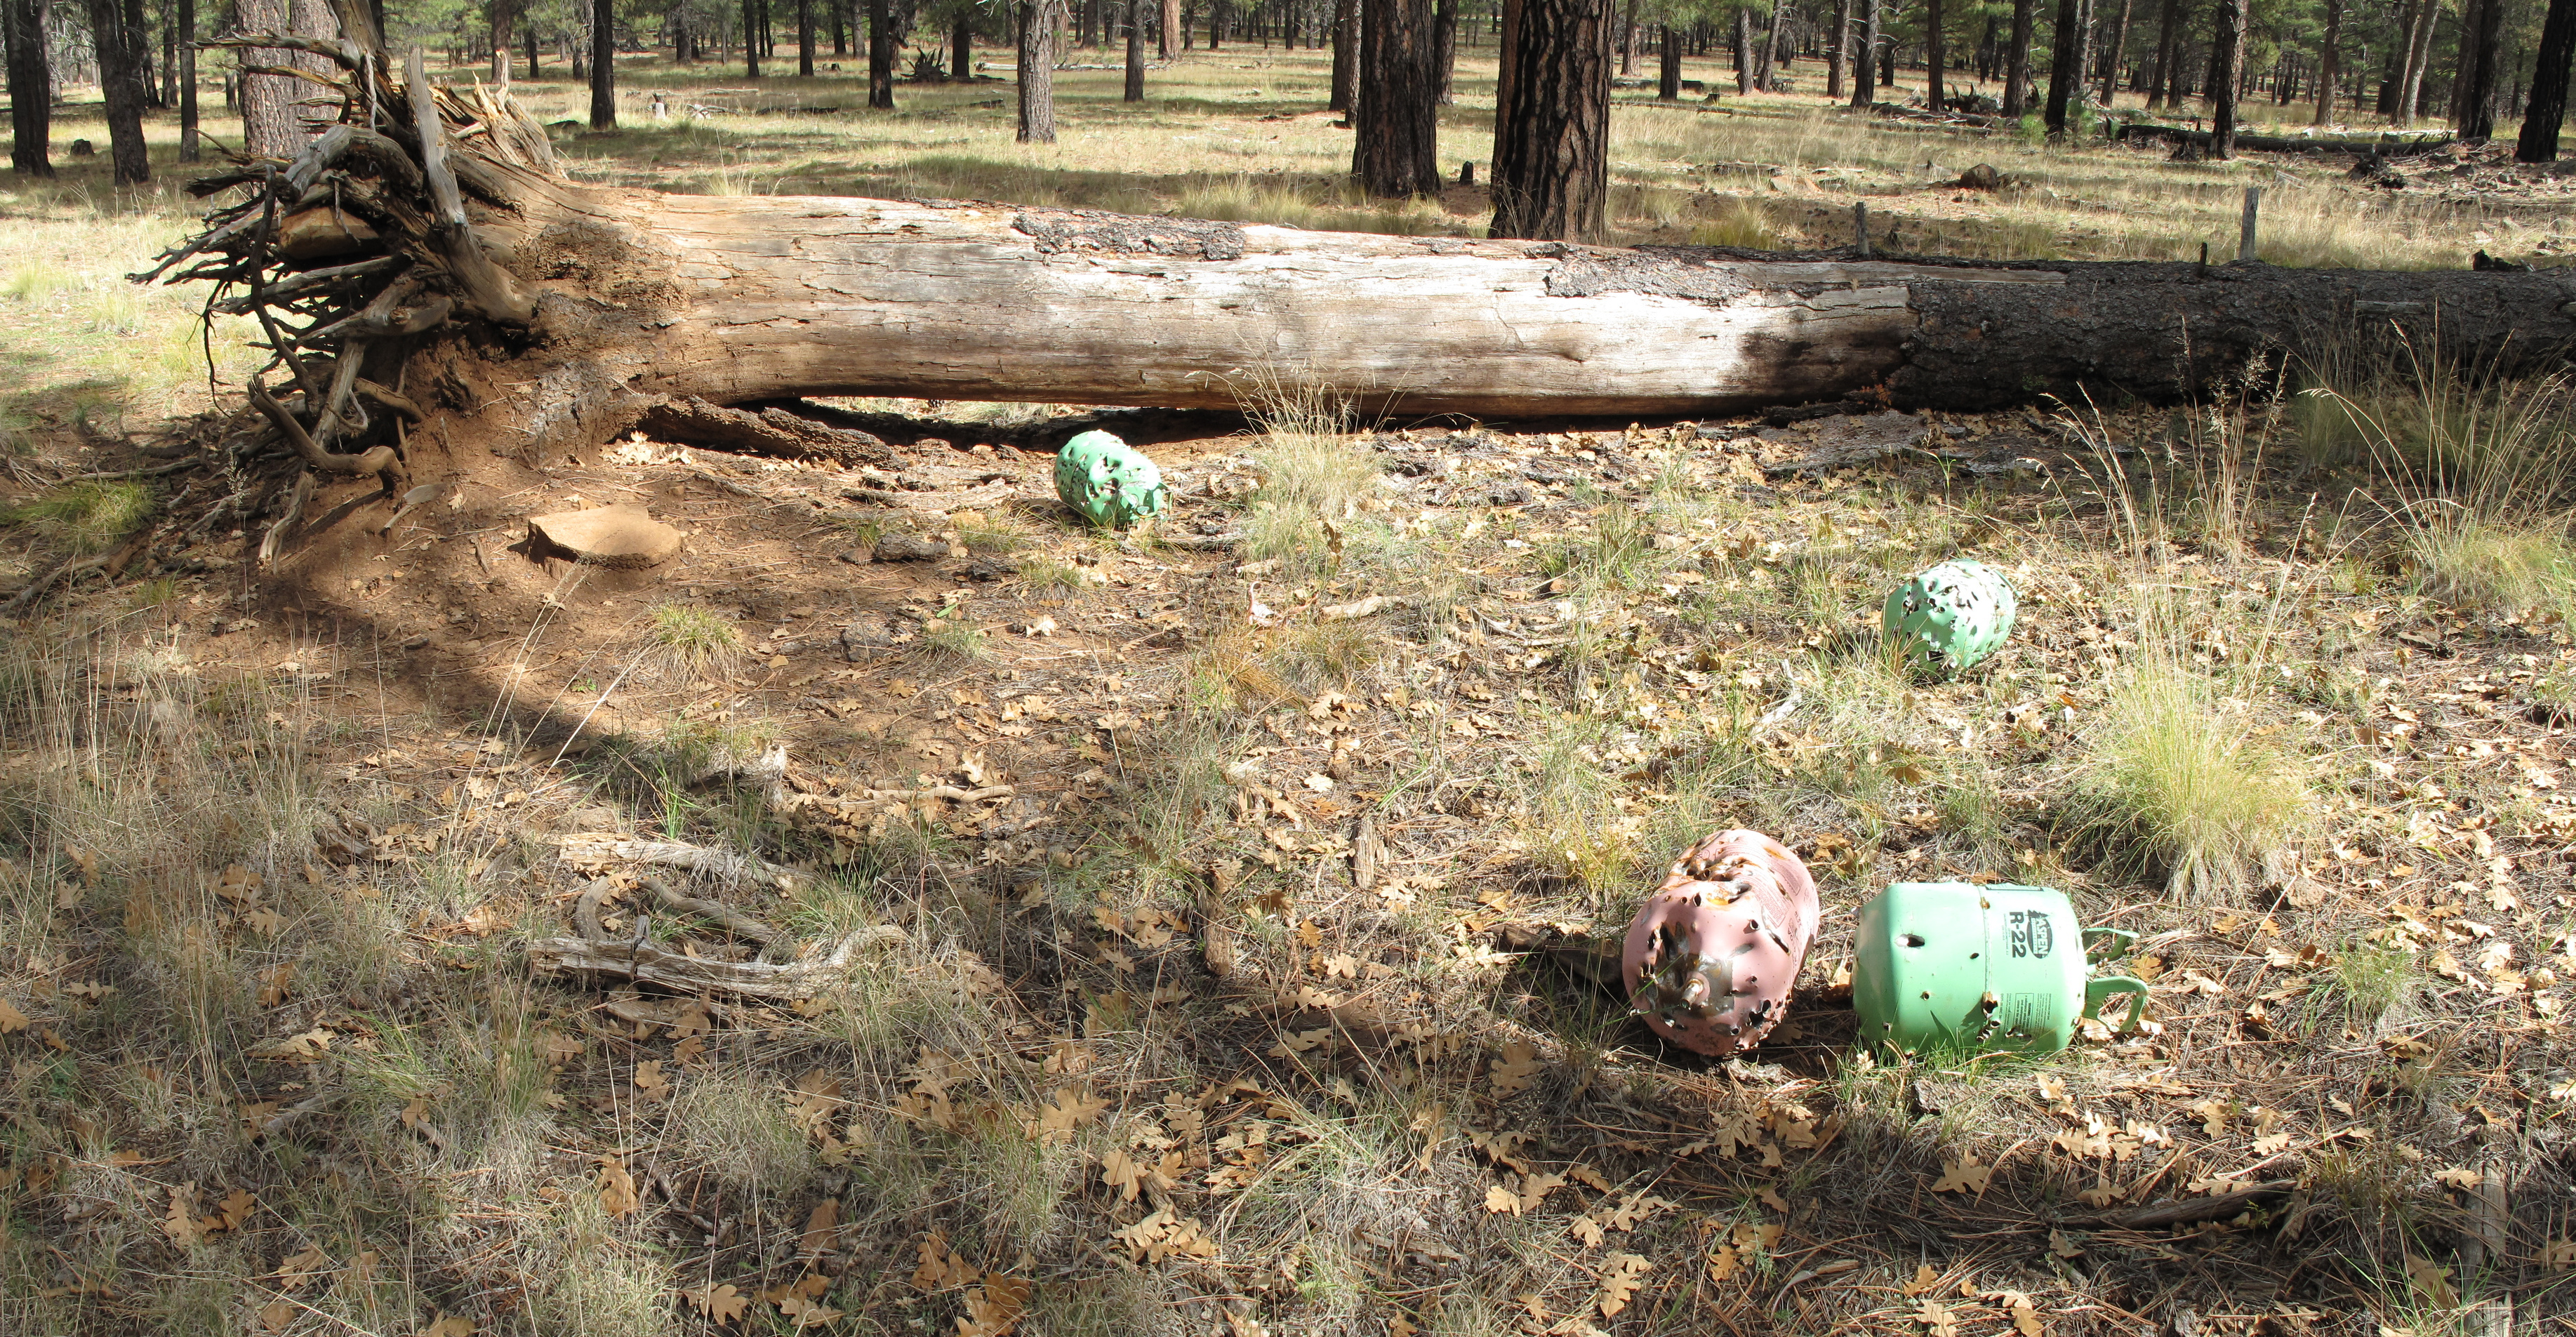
[(1110, 482), (1953, 615), (1956, 966)]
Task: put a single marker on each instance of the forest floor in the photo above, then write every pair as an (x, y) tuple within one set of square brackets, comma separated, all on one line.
[(1248, 872)]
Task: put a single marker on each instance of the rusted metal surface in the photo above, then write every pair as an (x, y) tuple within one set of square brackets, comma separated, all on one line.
[(1712, 955)]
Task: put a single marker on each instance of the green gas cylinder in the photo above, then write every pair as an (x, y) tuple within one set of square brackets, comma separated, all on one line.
[(1954, 614), (1960, 966), (1110, 482)]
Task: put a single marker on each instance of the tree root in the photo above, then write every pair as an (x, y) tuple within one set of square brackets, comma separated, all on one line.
[(378, 460)]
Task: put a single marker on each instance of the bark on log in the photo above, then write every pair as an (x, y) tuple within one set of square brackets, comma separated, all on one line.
[(748, 299)]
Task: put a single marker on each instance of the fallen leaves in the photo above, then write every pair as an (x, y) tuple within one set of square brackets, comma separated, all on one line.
[(1620, 1277), (1937, 1320), (1166, 1234), (1964, 1175), (994, 1307), (1067, 1112), (2432, 1282), (723, 1305), (1514, 1069), (617, 1195), (1533, 1190), (994, 1302), (940, 1267)]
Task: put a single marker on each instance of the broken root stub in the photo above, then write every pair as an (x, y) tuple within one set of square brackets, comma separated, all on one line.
[(621, 537), (1110, 482), (1712, 955), (1952, 615)]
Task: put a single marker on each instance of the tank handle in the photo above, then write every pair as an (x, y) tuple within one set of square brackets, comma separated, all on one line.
[(2103, 989), (2108, 944)]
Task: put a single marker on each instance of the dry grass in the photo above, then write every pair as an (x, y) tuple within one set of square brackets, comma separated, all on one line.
[(1157, 956), (684, 643), (2180, 780)]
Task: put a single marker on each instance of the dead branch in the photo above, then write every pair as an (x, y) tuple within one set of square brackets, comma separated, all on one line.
[(734, 921), (594, 851), (649, 963)]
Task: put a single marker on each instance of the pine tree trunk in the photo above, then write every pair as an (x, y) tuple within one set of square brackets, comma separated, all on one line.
[(186, 24), (1743, 52), (881, 54), (2064, 65), (269, 127), (2229, 61), (1346, 61), (2165, 55), (1668, 65), (2017, 62), (1169, 36), (804, 39), (751, 38), (1932, 56), (1396, 150), (1838, 55), (117, 45), (1444, 50), (2419, 53), (1135, 91), (1767, 52), (320, 22), (2480, 56), (1628, 41), (1865, 60), (1037, 71), (2111, 59), (22, 23), (499, 17), (603, 65), (2546, 112), (2329, 62), (961, 48), (1554, 183), (2465, 56)]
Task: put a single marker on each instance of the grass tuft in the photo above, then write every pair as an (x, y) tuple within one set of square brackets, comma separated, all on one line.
[(953, 637), (685, 643), (2178, 782), (85, 517)]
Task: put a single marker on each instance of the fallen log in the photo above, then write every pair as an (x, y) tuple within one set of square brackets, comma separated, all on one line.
[(574, 311), (759, 298), (2390, 144)]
